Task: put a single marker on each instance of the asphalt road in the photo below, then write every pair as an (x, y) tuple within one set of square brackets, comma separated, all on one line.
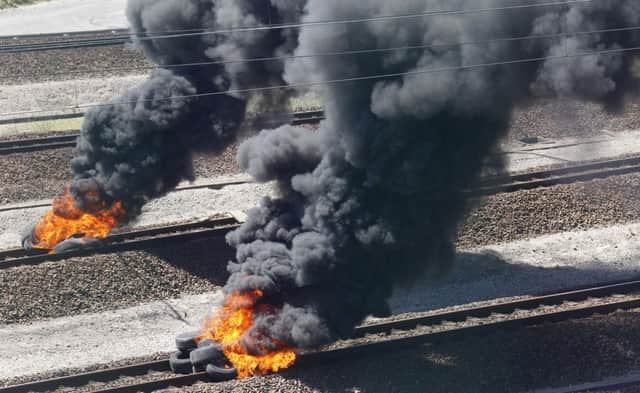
[(63, 16)]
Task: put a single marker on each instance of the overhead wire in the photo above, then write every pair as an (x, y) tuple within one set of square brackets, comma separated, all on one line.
[(335, 53), (144, 36), (417, 71)]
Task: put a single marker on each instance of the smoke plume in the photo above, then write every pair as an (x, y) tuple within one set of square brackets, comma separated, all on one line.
[(140, 147), (374, 197)]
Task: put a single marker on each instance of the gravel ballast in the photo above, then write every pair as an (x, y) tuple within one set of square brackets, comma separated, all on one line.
[(558, 354), (112, 281), (68, 64), (103, 282), (523, 214), (107, 282), (174, 208), (40, 175), (44, 174), (156, 337)]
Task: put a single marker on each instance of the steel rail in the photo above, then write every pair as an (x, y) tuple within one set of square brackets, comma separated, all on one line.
[(20, 37), (404, 342), (609, 385), (552, 177), (38, 144), (66, 141), (404, 325), (68, 44), (33, 119), (127, 241), (492, 186)]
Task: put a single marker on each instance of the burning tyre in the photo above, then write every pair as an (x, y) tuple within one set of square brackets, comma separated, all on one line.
[(219, 374), (206, 356), (180, 363), (186, 342), (67, 227), (207, 353)]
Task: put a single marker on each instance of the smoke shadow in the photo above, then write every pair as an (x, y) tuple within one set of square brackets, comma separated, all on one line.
[(519, 360), (481, 276), (474, 277), (204, 258)]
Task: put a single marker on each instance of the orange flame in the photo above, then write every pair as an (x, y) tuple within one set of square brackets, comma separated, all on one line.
[(228, 327), (65, 220)]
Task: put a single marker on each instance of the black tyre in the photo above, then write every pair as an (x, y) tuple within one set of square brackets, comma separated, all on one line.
[(221, 374), (207, 354), (185, 342), (28, 246), (180, 363), (75, 244), (204, 343), (27, 242)]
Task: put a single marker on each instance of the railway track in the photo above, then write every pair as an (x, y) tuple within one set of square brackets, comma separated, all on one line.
[(127, 241), (565, 175), (61, 35), (69, 140), (609, 385), (144, 239), (38, 144), (75, 40), (488, 186), (174, 234), (377, 338)]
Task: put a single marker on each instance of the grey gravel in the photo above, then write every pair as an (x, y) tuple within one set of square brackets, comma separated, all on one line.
[(44, 174), (111, 281), (23, 177), (37, 175), (65, 64), (524, 214), (631, 389), (81, 370), (511, 361), (559, 354), (553, 118)]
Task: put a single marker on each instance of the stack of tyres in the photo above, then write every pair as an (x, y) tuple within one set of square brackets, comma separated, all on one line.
[(194, 356)]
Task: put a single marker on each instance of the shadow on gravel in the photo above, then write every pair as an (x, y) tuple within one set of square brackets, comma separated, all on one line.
[(474, 277), (559, 354), (487, 275), (206, 259)]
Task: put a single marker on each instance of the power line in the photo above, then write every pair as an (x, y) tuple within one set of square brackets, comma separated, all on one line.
[(344, 53), (145, 36), (419, 71), (382, 18)]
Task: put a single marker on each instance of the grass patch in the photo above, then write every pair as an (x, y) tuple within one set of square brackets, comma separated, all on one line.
[(40, 127), (15, 3)]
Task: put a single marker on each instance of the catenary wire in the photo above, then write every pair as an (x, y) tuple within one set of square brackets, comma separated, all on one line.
[(144, 36), (166, 32), (337, 53), (419, 71)]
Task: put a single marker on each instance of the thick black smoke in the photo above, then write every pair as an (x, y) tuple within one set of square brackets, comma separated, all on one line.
[(374, 197), (141, 147)]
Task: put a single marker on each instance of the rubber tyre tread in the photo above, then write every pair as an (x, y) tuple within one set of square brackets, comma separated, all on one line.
[(205, 343), (221, 374), (185, 342), (208, 354), (180, 363)]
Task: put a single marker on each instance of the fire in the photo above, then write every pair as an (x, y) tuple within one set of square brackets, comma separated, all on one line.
[(65, 220), (228, 327)]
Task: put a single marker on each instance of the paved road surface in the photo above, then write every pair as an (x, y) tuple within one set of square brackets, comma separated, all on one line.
[(63, 16)]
